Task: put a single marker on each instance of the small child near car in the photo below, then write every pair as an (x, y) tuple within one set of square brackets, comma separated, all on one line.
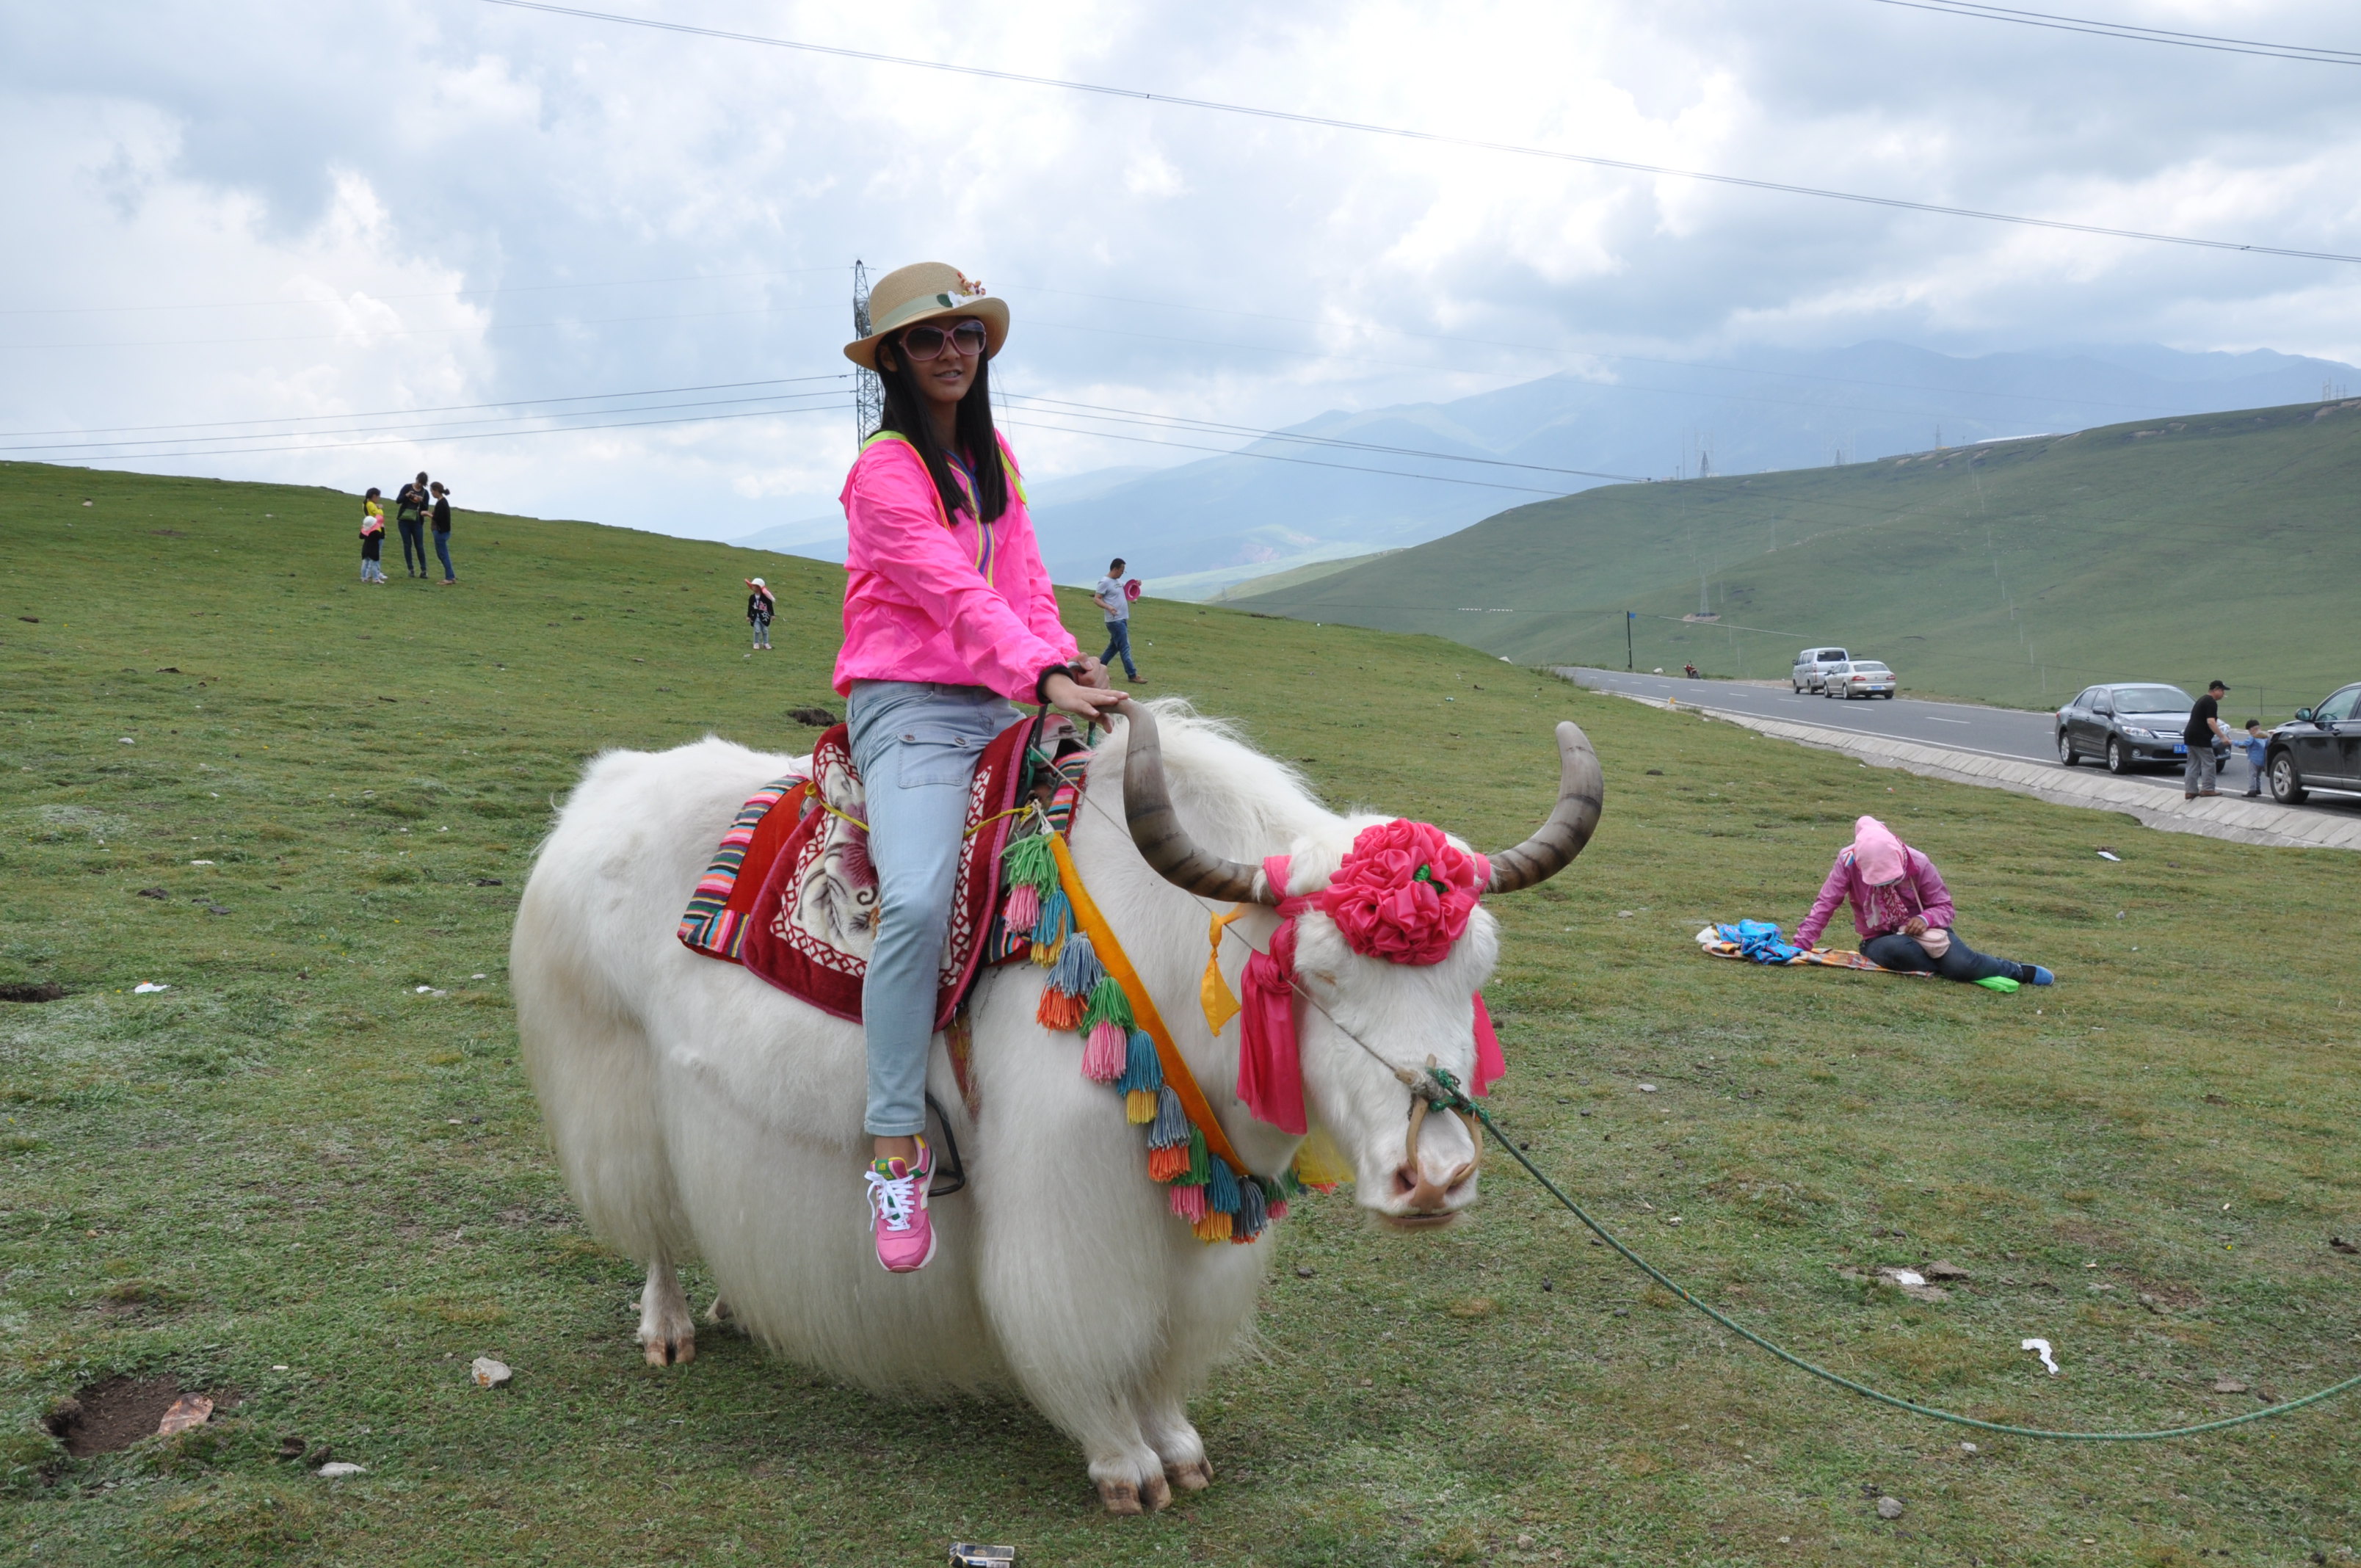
[(2257, 745), (761, 608), (372, 537)]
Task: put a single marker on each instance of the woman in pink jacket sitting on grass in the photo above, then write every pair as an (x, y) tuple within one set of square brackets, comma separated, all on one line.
[(948, 621), (1903, 912)]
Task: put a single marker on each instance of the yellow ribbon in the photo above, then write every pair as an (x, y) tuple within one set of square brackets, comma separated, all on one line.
[(1110, 956), (1214, 993)]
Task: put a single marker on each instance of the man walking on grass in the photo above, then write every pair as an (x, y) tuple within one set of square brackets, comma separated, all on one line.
[(1116, 606), (2205, 724)]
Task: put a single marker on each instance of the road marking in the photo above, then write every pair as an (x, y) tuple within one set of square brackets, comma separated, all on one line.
[(1932, 720)]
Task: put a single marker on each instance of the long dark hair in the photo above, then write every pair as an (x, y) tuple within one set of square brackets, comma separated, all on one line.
[(905, 415)]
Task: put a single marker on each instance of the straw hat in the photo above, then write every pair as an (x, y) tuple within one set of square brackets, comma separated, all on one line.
[(909, 295)]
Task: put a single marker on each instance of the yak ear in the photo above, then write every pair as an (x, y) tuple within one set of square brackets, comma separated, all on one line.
[(1581, 796), (1163, 843)]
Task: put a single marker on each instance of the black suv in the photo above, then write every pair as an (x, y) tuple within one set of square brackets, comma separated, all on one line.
[(2319, 750), (2127, 726)]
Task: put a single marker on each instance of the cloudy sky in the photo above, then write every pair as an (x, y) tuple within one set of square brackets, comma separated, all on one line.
[(356, 236)]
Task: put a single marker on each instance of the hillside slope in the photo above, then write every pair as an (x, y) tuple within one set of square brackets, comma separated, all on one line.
[(2014, 572), (311, 1178)]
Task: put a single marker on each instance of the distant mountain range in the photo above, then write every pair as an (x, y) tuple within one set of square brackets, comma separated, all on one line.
[(1280, 506)]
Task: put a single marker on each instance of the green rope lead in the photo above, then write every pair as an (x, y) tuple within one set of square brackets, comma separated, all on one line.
[(1457, 1100)]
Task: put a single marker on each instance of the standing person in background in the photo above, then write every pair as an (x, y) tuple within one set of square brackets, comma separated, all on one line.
[(410, 511), (762, 607), (2205, 724), (1116, 609), (441, 519), (372, 537)]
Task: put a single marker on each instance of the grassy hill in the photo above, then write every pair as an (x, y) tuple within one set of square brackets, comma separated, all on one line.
[(2014, 572), (296, 1180)]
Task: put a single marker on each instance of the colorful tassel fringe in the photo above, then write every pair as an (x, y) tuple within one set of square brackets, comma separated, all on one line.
[(1218, 1204), (1102, 1055)]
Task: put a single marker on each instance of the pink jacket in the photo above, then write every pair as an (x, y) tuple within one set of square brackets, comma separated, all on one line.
[(967, 604), (1878, 910)]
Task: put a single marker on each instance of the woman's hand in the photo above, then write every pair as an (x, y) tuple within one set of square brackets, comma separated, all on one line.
[(1915, 926), (1087, 704)]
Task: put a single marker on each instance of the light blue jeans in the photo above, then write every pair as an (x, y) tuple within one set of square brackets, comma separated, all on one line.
[(917, 746)]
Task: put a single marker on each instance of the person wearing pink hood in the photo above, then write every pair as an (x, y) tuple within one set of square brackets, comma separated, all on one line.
[(1903, 912), (950, 620)]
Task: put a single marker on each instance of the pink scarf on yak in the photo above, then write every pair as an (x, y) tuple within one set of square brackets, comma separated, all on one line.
[(1404, 894)]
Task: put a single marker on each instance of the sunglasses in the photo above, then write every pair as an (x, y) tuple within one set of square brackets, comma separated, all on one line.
[(924, 343)]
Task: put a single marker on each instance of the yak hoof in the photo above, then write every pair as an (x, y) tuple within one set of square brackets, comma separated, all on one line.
[(678, 1351), (719, 1312), (1155, 1493), (1194, 1476), (1121, 1497)]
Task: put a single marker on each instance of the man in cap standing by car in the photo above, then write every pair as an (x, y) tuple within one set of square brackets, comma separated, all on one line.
[(2205, 724)]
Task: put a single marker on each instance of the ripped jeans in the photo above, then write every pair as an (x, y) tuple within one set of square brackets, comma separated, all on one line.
[(917, 746)]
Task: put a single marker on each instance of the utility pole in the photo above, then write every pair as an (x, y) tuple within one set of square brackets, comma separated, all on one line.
[(1629, 617), (868, 391)]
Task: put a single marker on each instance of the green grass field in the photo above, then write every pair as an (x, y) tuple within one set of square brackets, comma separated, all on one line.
[(294, 1180), (2015, 571)]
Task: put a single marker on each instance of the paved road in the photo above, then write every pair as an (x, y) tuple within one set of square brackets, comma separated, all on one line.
[(1961, 726)]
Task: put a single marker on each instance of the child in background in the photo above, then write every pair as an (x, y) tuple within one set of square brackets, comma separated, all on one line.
[(2257, 745), (372, 537), (761, 608)]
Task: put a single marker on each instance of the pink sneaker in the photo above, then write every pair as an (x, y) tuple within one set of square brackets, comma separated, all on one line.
[(897, 1203)]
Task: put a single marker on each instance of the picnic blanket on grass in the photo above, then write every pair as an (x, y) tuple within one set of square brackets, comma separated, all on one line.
[(1758, 941), (792, 896)]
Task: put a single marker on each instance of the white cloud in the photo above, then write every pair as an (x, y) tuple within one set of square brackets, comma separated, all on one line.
[(436, 202)]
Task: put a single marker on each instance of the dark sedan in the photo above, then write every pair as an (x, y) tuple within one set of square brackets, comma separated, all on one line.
[(2319, 750), (2126, 726)]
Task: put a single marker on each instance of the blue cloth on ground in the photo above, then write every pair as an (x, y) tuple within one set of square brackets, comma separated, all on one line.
[(1759, 939)]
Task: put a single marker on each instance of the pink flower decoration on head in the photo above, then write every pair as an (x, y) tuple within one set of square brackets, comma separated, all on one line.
[(1404, 893)]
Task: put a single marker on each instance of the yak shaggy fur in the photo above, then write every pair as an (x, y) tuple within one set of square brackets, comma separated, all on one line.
[(698, 1112)]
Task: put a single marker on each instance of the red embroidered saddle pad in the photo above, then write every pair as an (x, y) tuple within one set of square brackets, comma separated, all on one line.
[(791, 894)]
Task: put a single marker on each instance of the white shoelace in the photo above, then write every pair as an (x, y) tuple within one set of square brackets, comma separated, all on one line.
[(894, 1197)]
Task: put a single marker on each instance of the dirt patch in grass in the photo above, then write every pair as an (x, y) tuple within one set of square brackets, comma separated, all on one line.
[(26, 991), (109, 1417)]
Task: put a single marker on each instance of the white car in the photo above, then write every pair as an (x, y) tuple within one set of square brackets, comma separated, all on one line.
[(1812, 666), (1858, 677)]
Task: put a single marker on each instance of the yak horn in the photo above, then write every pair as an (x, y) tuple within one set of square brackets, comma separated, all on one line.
[(1581, 792), (1156, 828)]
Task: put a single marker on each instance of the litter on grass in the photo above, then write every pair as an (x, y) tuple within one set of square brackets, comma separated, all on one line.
[(148, 988), (339, 1467), (488, 1372), (188, 1410), (2041, 1347), (2109, 855)]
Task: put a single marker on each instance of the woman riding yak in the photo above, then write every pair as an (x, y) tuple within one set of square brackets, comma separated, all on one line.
[(949, 620), (1903, 912)]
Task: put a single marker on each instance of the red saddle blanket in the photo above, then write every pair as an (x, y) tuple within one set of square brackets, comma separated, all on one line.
[(791, 894)]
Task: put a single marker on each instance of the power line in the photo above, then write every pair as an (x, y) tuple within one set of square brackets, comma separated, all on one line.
[(482, 435), (1275, 457), (1585, 353), (1435, 138), (413, 429), (437, 409), (1209, 427), (2132, 31), (486, 329), (430, 295)]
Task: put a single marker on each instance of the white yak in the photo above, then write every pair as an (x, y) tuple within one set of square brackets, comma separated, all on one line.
[(697, 1112)]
